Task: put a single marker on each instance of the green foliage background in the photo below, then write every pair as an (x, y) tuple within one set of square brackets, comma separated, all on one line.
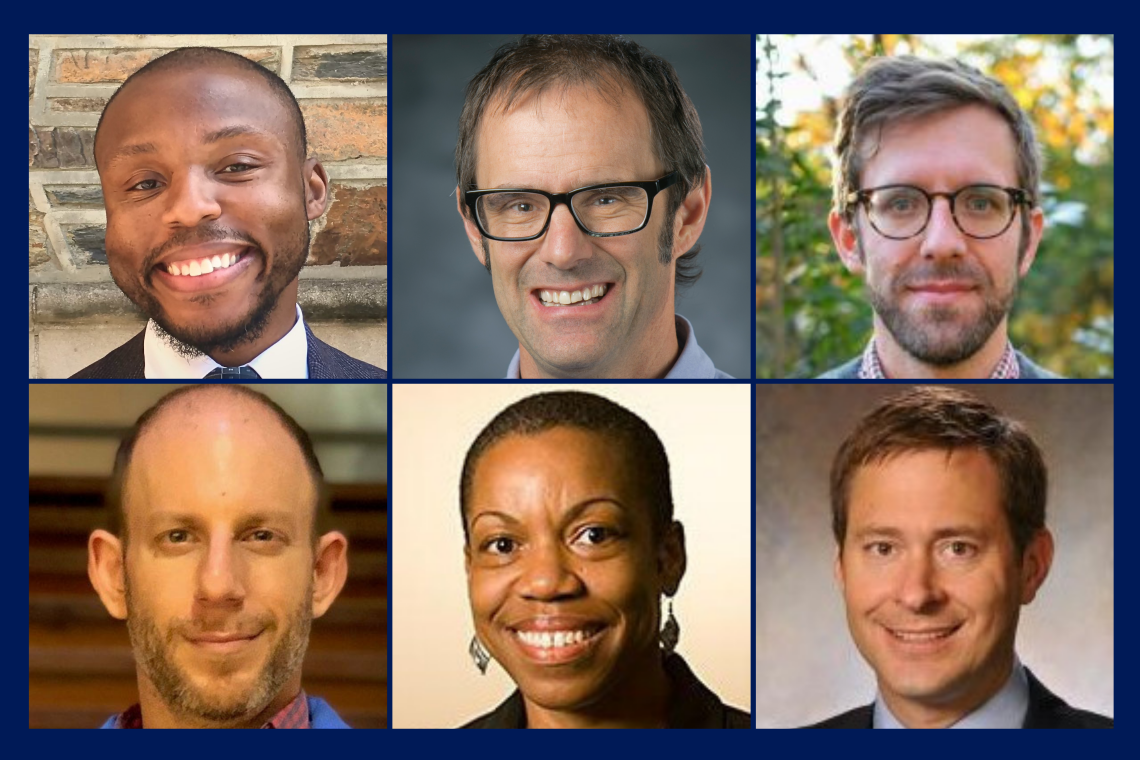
[(811, 313)]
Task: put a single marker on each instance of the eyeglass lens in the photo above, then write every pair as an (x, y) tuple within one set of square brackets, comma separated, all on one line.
[(604, 210), (980, 211)]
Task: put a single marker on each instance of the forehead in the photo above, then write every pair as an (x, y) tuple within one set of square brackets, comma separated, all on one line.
[(181, 107), (926, 490), (942, 151), (217, 455), (564, 138)]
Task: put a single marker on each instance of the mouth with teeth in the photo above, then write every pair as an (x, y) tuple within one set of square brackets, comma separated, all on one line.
[(922, 637), (581, 297), (204, 265), (556, 646)]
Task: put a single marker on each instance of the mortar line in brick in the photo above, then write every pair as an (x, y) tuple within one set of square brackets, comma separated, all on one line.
[(287, 62), (39, 196), (59, 242)]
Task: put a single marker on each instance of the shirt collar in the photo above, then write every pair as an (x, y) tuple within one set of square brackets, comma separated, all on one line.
[(287, 359), (692, 363), (293, 715), (1006, 709), (870, 368)]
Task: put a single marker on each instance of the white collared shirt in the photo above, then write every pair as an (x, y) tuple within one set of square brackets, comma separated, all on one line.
[(287, 359)]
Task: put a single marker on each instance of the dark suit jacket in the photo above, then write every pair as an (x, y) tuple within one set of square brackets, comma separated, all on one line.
[(691, 705), (1046, 710), (325, 363), (1029, 370)]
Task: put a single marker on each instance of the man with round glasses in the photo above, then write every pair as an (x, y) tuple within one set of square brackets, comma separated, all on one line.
[(583, 189), (937, 208)]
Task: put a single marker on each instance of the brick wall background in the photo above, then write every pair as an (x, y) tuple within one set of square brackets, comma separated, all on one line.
[(76, 313)]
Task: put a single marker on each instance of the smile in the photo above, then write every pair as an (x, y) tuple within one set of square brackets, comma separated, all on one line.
[(922, 636), (205, 265), (580, 297), (553, 639), (223, 643)]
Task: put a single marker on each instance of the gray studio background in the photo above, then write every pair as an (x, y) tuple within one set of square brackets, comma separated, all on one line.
[(445, 321), (807, 669)]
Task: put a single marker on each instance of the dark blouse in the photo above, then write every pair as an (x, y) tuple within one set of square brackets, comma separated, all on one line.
[(691, 705)]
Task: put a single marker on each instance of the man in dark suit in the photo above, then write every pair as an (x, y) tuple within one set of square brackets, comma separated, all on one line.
[(209, 194), (938, 511)]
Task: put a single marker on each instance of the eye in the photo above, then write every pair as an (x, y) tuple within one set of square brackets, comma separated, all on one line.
[(594, 535), (145, 185), (500, 545), (237, 168), (262, 535), (879, 548), (178, 536), (960, 549)]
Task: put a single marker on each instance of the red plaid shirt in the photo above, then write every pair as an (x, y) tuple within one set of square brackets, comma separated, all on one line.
[(293, 715), (1007, 367)]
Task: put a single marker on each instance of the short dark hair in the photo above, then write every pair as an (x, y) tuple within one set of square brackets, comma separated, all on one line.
[(937, 418), (198, 57), (538, 62), (115, 488), (536, 414)]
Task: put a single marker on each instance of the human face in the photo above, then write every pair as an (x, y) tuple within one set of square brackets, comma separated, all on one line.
[(564, 575), (200, 171), (219, 566), (932, 581), (557, 142), (941, 296)]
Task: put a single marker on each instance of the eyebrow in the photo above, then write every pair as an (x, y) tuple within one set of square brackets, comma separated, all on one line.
[(243, 523), (571, 514), (950, 531), (234, 130)]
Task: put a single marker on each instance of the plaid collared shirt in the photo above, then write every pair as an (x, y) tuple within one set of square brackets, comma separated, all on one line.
[(293, 715), (871, 369)]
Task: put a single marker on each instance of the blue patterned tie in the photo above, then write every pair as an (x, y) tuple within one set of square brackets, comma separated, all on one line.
[(245, 372)]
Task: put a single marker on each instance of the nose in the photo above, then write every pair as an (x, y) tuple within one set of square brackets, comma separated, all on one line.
[(919, 588), (942, 238), (220, 574), (190, 199), (549, 574), (564, 245)]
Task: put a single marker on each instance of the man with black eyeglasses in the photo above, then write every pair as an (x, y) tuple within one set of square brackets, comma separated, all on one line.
[(937, 208), (583, 189)]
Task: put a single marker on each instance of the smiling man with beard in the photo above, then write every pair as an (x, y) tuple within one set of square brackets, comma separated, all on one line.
[(937, 208), (217, 563), (209, 194)]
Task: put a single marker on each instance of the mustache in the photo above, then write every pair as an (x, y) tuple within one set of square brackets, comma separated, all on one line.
[(203, 233), (956, 270), (222, 624)]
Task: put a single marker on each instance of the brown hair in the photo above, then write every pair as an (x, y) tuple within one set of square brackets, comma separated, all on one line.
[(939, 418), (894, 89), (608, 63)]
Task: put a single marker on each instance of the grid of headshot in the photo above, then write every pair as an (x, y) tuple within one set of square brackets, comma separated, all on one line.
[(704, 381)]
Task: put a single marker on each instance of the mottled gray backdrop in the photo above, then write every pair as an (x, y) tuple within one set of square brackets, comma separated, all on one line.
[(445, 323), (807, 668)]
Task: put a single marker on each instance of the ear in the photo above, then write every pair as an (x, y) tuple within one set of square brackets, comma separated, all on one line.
[(1036, 228), (330, 570), (1035, 564), (845, 235), (672, 559), (105, 569), (469, 227), (690, 219), (837, 570), (316, 188)]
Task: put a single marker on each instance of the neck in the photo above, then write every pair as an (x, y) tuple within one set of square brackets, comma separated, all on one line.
[(280, 322), (945, 712), (655, 354), (156, 713), (898, 364), (641, 700)]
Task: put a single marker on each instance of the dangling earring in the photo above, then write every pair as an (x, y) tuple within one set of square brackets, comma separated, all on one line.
[(670, 632), (479, 655)]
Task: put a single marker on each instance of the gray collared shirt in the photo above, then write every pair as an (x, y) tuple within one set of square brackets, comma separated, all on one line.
[(1006, 709), (692, 364)]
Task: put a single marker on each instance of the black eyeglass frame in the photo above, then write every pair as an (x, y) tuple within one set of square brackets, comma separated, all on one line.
[(651, 188), (1018, 197)]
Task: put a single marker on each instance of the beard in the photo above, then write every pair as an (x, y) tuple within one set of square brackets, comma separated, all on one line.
[(936, 335), (215, 704), (190, 340)]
